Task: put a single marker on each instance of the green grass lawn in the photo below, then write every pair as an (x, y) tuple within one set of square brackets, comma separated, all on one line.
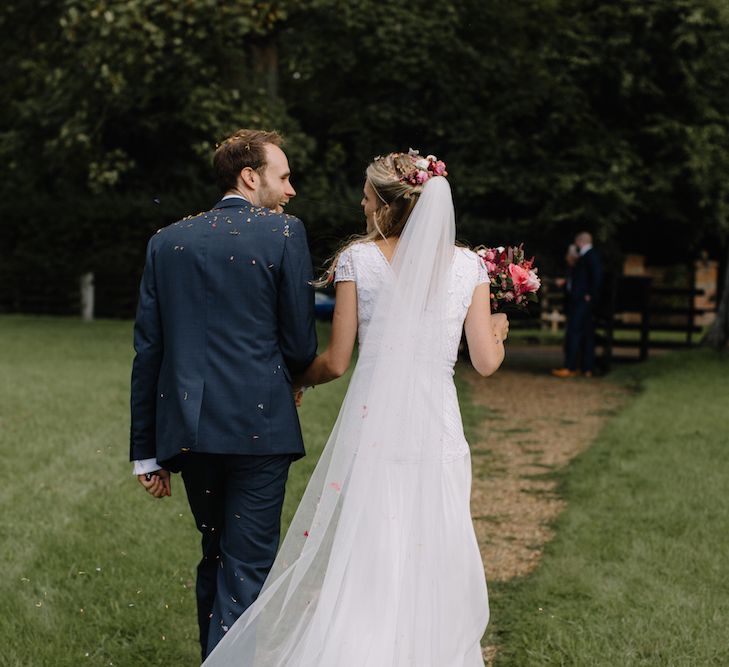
[(95, 572), (98, 573), (638, 573)]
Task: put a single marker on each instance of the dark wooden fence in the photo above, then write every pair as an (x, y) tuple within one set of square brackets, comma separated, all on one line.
[(633, 317), (634, 304)]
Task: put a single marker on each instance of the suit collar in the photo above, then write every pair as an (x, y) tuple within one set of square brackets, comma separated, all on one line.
[(232, 202)]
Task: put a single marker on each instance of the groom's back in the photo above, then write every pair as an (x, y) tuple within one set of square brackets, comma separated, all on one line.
[(232, 289)]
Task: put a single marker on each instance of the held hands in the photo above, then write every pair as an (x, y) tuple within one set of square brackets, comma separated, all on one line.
[(157, 483), (500, 326), (298, 395)]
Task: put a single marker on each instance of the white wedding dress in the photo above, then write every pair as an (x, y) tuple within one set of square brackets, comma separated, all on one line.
[(380, 566)]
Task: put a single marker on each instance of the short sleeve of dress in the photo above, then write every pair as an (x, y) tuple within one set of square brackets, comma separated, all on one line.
[(483, 274), (344, 270)]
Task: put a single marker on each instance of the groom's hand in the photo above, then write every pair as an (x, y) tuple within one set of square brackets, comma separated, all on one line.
[(159, 483)]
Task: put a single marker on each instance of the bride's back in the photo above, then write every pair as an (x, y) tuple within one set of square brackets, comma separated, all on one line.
[(368, 265)]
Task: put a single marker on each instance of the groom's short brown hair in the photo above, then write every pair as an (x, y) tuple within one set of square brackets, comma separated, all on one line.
[(244, 148)]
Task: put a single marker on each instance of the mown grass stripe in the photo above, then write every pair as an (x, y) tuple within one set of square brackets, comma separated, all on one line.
[(637, 574)]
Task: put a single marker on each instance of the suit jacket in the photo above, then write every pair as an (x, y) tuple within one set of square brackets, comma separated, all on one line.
[(586, 278), (225, 315)]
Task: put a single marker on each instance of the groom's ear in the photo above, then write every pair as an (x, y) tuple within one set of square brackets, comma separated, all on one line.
[(250, 178)]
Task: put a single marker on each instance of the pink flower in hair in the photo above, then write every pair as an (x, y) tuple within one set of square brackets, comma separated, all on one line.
[(438, 168), (424, 168)]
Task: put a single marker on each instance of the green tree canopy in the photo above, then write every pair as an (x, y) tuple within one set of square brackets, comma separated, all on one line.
[(552, 116)]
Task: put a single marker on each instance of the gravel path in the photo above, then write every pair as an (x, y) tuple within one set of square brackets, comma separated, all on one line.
[(535, 425)]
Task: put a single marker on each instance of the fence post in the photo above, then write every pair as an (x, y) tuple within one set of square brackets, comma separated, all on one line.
[(608, 300), (691, 317), (645, 320), (86, 286)]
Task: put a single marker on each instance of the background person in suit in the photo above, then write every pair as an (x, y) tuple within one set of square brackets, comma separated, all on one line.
[(225, 316), (583, 290)]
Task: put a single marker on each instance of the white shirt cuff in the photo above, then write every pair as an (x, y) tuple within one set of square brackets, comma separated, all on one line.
[(145, 465)]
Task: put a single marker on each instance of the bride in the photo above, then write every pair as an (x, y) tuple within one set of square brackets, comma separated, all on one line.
[(380, 566)]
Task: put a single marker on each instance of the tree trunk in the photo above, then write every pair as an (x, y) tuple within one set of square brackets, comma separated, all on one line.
[(718, 334), (265, 59)]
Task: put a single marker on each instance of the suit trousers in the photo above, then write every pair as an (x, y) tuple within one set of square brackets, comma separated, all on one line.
[(236, 501), (580, 337)]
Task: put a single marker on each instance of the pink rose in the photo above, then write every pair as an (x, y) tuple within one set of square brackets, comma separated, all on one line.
[(524, 280), (519, 277), (533, 284), (438, 168), (490, 255), (490, 266), (421, 177)]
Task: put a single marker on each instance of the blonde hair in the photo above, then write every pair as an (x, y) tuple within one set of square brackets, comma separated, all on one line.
[(387, 177)]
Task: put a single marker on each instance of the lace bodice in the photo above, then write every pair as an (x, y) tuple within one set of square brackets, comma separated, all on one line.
[(365, 264)]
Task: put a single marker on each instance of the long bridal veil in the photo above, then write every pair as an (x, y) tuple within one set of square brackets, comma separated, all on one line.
[(357, 579)]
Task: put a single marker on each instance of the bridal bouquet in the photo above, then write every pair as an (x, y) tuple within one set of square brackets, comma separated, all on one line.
[(514, 278)]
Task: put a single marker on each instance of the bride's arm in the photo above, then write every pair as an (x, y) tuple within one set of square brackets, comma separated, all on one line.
[(334, 361), (485, 333)]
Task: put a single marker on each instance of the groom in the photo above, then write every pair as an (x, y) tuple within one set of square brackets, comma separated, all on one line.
[(225, 317)]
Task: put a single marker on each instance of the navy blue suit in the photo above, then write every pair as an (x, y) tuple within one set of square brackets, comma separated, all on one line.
[(584, 291), (225, 316)]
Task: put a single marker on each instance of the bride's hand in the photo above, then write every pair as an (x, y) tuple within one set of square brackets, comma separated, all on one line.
[(500, 326)]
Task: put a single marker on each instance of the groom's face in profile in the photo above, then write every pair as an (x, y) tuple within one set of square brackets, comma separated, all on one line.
[(275, 188)]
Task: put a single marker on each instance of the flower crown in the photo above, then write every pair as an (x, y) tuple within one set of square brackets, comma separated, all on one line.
[(424, 168)]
